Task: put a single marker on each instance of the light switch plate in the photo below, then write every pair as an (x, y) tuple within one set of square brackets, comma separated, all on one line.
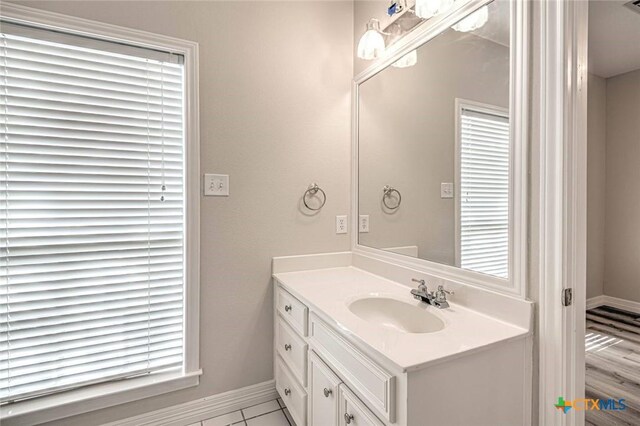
[(363, 223), (446, 190), (216, 185), (341, 224)]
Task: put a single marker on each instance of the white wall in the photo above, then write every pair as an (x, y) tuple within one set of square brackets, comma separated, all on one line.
[(596, 178), (622, 235), (275, 115), (407, 138)]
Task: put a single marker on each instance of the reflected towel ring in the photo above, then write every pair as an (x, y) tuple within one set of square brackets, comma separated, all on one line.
[(313, 190), (388, 192)]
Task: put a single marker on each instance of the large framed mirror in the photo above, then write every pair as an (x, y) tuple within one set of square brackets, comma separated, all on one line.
[(440, 147)]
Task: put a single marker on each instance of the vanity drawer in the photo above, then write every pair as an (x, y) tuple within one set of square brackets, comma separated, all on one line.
[(293, 395), (374, 385), (292, 310), (293, 350)]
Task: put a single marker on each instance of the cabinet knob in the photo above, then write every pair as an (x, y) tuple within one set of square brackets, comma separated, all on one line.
[(287, 308), (287, 347), (348, 418), (287, 391), (327, 392)]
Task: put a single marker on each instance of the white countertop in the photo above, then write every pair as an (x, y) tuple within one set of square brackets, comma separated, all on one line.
[(329, 291)]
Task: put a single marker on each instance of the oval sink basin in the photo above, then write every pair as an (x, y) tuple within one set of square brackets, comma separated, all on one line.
[(396, 315)]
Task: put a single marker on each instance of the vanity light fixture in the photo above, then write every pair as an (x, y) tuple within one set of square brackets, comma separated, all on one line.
[(474, 21), (371, 44), (426, 9), (408, 60)]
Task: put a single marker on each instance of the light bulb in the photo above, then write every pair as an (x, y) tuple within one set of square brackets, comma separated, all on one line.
[(474, 21), (408, 60), (371, 44), (426, 9)]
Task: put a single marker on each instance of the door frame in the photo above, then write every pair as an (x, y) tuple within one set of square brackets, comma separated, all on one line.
[(562, 60)]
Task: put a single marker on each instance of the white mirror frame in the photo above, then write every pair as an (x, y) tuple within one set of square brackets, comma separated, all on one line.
[(518, 107)]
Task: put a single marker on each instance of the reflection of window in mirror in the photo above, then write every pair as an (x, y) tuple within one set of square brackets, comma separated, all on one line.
[(482, 195), (411, 132)]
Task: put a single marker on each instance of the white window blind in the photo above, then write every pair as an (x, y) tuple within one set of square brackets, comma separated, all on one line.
[(484, 192), (91, 216)]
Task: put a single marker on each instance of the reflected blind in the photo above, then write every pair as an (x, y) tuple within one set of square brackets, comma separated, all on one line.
[(91, 216), (484, 193)]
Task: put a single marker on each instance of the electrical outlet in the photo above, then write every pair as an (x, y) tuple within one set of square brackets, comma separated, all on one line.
[(341, 224), (216, 185), (446, 190), (363, 224)]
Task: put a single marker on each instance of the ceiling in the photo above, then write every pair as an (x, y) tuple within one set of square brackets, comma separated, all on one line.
[(614, 38)]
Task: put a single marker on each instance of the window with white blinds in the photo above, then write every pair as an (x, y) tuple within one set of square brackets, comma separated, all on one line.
[(484, 190), (92, 219)]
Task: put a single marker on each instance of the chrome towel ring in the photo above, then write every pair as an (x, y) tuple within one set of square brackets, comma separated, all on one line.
[(313, 191), (388, 193)]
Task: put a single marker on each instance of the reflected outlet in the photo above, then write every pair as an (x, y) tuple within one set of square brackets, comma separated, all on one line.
[(341, 224), (363, 223)]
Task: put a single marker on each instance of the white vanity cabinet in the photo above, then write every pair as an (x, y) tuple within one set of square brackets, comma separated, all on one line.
[(291, 391), (323, 392), (291, 353), (311, 390), (352, 411), (327, 375)]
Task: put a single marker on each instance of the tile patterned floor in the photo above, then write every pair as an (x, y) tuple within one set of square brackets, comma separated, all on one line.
[(272, 413)]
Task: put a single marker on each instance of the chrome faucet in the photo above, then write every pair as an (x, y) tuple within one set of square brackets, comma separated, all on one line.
[(436, 298)]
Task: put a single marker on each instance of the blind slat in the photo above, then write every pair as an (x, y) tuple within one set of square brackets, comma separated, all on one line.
[(91, 216), (484, 192)]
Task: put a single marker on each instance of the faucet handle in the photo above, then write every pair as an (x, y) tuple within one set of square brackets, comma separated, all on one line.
[(422, 285), (441, 296), (441, 288)]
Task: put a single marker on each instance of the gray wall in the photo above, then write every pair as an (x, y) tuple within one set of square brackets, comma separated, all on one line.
[(622, 235), (407, 138), (596, 178), (613, 182), (275, 115)]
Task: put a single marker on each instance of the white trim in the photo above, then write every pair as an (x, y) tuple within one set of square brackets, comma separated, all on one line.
[(575, 245), (551, 366), (562, 250), (596, 301), (459, 105), (614, 302), (519, 129), (424, 32), (90, 398), (131, 390), (204, 408)]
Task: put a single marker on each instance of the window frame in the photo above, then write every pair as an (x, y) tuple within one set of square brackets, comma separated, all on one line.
[(107, 394), (482, 108)]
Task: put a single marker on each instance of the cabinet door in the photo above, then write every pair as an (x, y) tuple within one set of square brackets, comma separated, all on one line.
[(352, 411), (323, 386)]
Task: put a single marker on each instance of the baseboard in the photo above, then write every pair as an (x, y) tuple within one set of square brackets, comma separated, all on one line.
[(204, 408), (594, 302), (614, 302)]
